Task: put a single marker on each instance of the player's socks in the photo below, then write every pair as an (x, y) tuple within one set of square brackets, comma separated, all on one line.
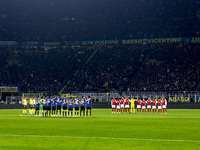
[(63, 113), (90, 113)]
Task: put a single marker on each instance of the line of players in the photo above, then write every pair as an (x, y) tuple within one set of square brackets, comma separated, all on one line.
[(51, 106), (143, 106)]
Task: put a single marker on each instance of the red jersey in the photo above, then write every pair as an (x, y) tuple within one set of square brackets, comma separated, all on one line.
[(159, 102), (113, 102), (118, 102), (139, 102), (127, 101), (144, 103), (154, 102), (148, 102), (164, 101), (122, 101)]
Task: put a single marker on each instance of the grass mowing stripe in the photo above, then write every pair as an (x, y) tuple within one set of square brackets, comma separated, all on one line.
[(106, 138)]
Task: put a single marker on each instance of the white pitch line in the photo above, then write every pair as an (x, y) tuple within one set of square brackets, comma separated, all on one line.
[(104, 138)]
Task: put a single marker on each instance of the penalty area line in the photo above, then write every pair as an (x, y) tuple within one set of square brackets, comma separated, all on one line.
[(103, 138)]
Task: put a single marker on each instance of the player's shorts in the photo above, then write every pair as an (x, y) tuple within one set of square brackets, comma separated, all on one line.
[(36, 108), (48, 107), (153, 107), (31, 106), (64, 107), (89, 108), (126, 106), (149, 106), (113, 106), (164, 106), (44, 107), (76, 108), (138, 106), (58, 107), (159, 107), (25, 106), (53, 108), (143, 107), (70, 109), (122, 106), (82, 108), (118, 107)]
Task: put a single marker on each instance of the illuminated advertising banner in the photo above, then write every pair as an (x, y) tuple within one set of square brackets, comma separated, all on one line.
[(185, 99)]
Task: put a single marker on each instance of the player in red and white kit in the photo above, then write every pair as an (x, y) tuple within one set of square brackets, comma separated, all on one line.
[(149, 105), (118, 105), (143, 106), (122, 105), (159, 106), (127, 105), (164, 104), (139, 105), (154, 102), (113, 105)]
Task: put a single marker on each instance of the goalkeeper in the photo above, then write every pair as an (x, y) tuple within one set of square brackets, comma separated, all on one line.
[(133, 105)]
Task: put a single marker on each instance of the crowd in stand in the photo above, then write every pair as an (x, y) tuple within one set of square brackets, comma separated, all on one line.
[(134, 67), (3, 69), (160, 67)]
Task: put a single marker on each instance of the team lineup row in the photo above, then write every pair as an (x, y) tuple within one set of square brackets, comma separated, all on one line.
[(123, 105), (67, 107)]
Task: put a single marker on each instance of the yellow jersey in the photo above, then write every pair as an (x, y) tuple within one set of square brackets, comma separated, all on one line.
[(133, 101), (24, 102), (31, 101), (34, 101)]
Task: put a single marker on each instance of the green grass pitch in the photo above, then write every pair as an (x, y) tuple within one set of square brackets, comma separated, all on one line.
[(179, 129)]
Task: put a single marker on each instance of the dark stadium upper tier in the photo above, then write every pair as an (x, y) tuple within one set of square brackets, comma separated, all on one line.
[(52, 20)]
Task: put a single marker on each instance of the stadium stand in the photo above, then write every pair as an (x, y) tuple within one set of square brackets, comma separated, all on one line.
[(134, 67)]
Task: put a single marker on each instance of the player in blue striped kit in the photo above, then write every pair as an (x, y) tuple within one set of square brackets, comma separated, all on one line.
[(37, 106), (48, 99), (64, 102), (82, 102), (89, 106), (53, 103), (76, 102), (70, 107), (59, 102)]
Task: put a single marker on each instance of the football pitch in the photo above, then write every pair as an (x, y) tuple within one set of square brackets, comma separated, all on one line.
[(179, 129)]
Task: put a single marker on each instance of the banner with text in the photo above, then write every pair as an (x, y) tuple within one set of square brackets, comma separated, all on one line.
[(177, 99)]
